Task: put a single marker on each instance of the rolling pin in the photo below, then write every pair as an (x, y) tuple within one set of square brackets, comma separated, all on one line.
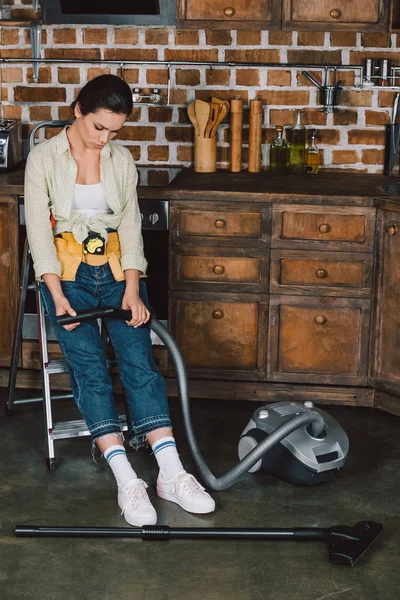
[(255, 135), (235, 159)]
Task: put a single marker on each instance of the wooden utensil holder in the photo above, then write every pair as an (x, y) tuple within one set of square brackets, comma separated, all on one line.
[(205, 154)]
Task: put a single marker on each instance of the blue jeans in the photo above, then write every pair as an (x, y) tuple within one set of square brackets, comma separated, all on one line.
[(145, 390)]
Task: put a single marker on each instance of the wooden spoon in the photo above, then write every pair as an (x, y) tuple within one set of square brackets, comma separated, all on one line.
[(202, 110), (223, 111), (212, 119), (192, 117)]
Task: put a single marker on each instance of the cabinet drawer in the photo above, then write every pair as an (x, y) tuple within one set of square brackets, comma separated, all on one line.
[(221, 224), (321, 273), (335, 11), (221, 10), (336, 228), (218, 334), (318, 340), (218, 269)]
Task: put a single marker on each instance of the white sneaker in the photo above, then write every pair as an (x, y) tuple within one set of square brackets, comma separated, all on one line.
[(135, 504), (186, 491)]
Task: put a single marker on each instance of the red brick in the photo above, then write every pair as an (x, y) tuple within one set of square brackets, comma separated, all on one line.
[(68, 75), (285, 97), (185, 153), (9, 37), (65, 113), (160, 114), (126, 37), (376, 118), (346, 77), (4, 93), (135, 151), (40, 113), (185, 37), (345, 117), (343, 38), (192, 55), (158, 153), (279, 38), (218, 76), (368, 137), (313, 116), (23, 13), (246, 37), (218, 37), (187, 77), (385, 99), (39, 94), (303, 80), (282, 78), (44, 75), (315, 57), (178, 96), (257, 56), (93, 72), (96, 37), (15, 53), (136, 115), (248, 77), (27, 36), (310, 38), (137, 133), (372, 157), (130, 54), (356, 98), (357, 58), (131, 75), (156, 36), (157, 76), (183, 116), (11, 74), (375, 40), (73, 53), (344, 157), (329, 136), (12, 111), (64, 36), (179, 134)]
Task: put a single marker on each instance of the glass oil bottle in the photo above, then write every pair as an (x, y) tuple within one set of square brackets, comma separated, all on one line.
[(278, 154), (297, 152), (312, 155)]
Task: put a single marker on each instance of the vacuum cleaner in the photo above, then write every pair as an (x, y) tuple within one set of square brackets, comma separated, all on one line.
[(295, 442)]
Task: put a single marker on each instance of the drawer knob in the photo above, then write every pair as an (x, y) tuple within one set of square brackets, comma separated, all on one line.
[(324, 228), (218, 269), (220, 223), (392, 230), (229, 11), (320, 319), (335, 13), (321, 273), (217, 314)]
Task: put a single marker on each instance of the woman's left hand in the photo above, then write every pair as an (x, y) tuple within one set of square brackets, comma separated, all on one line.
[(140, 313)]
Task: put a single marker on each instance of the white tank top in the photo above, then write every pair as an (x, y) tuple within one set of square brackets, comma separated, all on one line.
[(89, 200)]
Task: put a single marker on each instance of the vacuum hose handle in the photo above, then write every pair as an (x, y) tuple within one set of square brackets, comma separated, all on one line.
[(96, 313)]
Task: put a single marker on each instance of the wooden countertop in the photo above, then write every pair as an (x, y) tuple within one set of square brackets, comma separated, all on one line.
[(328, 187)]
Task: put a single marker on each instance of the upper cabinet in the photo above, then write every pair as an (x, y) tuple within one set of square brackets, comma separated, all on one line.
[(317, 15), (336, 14), (229, 14)]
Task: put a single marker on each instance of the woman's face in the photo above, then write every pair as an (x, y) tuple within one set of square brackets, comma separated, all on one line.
[(98, 128)]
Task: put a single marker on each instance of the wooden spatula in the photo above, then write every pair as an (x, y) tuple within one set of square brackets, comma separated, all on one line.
[(223, 111), (202, 110), (192, 117), (211, 119)]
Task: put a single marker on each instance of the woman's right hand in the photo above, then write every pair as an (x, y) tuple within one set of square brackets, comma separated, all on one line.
[(63, 307)]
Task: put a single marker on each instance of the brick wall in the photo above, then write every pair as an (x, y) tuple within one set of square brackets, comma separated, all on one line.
[(350, 139)]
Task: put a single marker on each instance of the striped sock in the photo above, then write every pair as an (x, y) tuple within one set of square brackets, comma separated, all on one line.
[(119, 464), (167, 458)]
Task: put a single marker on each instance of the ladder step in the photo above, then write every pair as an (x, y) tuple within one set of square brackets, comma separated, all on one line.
[(77, 428), (59, 365)]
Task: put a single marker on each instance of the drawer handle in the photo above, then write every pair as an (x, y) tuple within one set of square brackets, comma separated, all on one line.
[(392, 230), (229, 11), (324, 228), (218, 269), (335, 13), (320, 319), (321, 273), (220, 224), (217, 314)]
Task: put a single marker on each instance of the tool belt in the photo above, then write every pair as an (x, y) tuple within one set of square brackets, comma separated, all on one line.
[(94, 251)]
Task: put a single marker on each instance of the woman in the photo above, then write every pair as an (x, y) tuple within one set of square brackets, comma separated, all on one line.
[(89, 254)]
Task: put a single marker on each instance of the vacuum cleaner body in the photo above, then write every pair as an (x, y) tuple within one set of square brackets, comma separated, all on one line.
[(300, 457)]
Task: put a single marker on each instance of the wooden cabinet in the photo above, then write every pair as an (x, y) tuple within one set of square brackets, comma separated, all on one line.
[(336, 14), (8, 275), (318, 340), (229, 14), (385, 355), (322, 15)]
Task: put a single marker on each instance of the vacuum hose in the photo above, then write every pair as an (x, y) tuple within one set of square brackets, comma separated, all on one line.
[(224, 482), (212, 482)]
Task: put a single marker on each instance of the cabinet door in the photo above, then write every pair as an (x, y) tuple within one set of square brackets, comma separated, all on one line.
[(221, 335), (8, 275), (385, 359), (318, 340), (232, 14), (336, 14)]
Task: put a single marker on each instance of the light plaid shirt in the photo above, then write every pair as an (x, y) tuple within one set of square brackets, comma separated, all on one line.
[(50, 176)]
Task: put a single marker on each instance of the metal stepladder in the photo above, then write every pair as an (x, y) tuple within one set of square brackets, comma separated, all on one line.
[(53, 430)]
